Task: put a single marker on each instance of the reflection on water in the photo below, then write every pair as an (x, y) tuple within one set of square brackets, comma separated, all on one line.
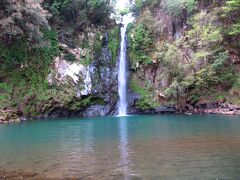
[(123, 147), (132, 147)]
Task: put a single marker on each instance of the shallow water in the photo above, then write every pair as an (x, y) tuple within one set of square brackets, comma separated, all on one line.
[(132, 147)]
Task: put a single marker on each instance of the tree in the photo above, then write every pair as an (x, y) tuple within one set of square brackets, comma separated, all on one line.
[(204, 38), (231, 11), (20, 18), (79, 13), (141, 43), (176, 7), (231, 23)]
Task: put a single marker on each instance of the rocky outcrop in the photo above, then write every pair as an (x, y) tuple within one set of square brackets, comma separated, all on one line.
[(103, 70), (212, 108), (74, 73), (103, 73), (164, 109), (90, 89), (9, 116)]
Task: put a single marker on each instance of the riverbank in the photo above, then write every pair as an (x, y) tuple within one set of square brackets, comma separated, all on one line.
[(12, 116), (212, 108)]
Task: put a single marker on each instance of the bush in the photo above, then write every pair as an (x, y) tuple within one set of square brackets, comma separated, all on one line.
[(14, 55), (146, 96), (70, 57)]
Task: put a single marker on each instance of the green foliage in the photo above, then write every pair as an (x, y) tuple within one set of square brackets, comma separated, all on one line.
[(205, 31), (114, 41), (136, 88), (140, 4), (22, 20), (137, 7), (142, 39), (87, 60), (205, 78), (124, 11), (194, 97), (175, 7), (56, 6), (52, 47), (232, 11), (5, 95), (235, 29), (87, 101), (204, 38), (79, 14), (219, 60), (168, 56), (236, 83), (70, 57), (140, 44), (97, 46), (31, 77), (82, 13), (144, 103), (146, 96), (13, 55)]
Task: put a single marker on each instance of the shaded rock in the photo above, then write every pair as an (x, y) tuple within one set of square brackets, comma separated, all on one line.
[(94, 111), (166, 109)]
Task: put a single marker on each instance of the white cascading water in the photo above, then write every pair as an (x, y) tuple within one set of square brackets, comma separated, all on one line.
[(122, 75), (122, 71)]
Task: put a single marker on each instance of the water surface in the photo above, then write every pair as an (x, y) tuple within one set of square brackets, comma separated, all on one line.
[(132, 147)]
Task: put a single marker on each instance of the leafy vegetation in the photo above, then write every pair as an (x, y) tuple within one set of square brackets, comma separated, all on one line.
[(146, 96), (79, 13), (24, 19), (70, 57), (198, 60), (31, 33), (176, 7), (114, 41), (32, 68), (141, 42), (231, 11)]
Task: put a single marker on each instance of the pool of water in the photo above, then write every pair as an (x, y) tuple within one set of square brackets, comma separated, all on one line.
[(131, 147)]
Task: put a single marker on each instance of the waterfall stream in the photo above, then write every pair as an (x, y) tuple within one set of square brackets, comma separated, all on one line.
[(122, 74), (122, 71)]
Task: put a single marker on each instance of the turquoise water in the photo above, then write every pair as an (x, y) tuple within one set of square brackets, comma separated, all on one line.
[(132, 147)]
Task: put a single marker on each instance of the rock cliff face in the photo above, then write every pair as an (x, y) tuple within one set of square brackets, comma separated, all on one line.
[(173, 55), (63, 63), (82, 82), (95, 83)]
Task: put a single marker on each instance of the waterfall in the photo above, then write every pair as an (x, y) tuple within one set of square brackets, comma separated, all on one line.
[(122, 71), (122, 74)]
